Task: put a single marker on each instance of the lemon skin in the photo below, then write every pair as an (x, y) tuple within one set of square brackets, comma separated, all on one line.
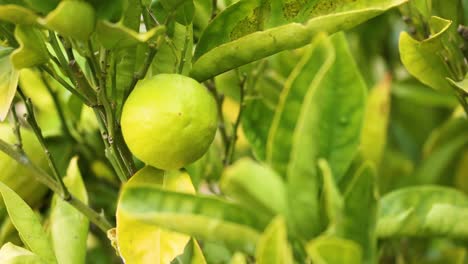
[(169, 121)]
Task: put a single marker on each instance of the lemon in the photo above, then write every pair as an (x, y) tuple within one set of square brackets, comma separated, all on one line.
[(169, 121)]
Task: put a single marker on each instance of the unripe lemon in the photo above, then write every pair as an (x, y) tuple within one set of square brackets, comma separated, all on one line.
[(169, 121)]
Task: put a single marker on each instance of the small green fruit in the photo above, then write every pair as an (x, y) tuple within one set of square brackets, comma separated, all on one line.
[(169, 121)]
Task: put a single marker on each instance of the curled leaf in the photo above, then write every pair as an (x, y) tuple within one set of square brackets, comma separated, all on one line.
[(74, 19), (32, 50)]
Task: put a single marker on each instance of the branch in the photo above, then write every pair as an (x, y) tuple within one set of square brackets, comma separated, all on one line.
[(45, 179), (31, 119), (232, 143)]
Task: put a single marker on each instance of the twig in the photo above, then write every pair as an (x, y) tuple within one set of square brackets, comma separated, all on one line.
[(214, 10), (64, 83), (233, 139), (47, 180), (16, 129), (221, 123), (72, 69), (184, 49), (463, 98), (31, 119), (141, 73)]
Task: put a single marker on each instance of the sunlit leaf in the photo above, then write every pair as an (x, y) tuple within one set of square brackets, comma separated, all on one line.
[(75, 19), (423, 211), (144, 242), (273, 246), (64, 219), (332, 250), (8, 82), (28, 225), (11, 254), (256, 186), (32, 50)]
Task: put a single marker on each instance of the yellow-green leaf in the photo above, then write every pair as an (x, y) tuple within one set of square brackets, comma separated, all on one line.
[(332, 250), (273, 246), (142, 242), (255, 185), (12, 254), (28, 225), (74, 19), (374, 131), (114, 36), (8, 82), (17, 15), (32, 50), (65, 219)]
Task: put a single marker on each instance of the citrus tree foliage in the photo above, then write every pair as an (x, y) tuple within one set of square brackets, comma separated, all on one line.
[(233, 131)]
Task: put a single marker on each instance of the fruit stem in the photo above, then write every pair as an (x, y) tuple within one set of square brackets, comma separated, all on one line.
[(98, 219)]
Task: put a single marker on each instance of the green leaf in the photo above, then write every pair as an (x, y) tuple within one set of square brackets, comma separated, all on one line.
[(17, 15), (332, 198), (42, 6), (115, 36), (273, 246), (144, 242), (335, 97), (8, 82), (203, 217), (16, 176), (374, 131), (423, 211), (442, 148), (110, 10), (197, 257), (422, 59), (332, 250), (28, 225), (69, 228), (309, 71), (238, 258), (169, 58), (11, 254), (213, 58), (74, 19), (462, 85), (32, 50), (259, 112), (359, 216), (255, 186), (171, 5), (421, 94)]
